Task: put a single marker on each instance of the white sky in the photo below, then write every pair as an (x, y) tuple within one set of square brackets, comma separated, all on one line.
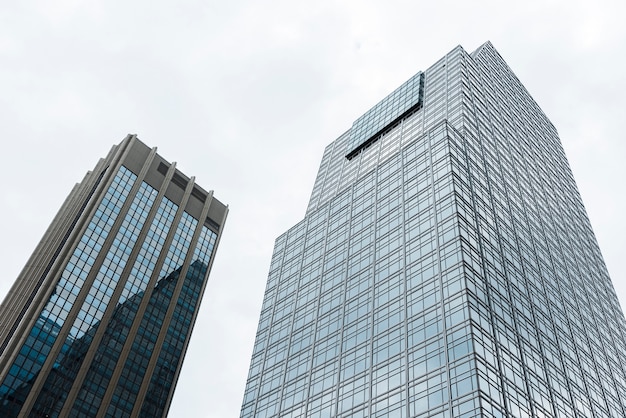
[(245, 95)]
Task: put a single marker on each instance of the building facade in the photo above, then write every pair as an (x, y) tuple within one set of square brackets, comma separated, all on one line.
[(445, 267), (98, 322)]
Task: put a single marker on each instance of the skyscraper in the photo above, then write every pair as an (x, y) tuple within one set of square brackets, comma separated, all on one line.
[(98, 322), (445, 267)]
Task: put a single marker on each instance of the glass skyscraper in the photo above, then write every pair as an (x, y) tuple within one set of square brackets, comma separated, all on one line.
[(445, 267), (99, 319)]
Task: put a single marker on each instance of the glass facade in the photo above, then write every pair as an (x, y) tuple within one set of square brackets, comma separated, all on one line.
[(33, 354), (104, 332), (406, 98), (447, 270)]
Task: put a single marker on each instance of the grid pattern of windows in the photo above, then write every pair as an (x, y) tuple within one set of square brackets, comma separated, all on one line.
[(559, 330), (132, 375), (447, 270), (343, 325), (85, 325), (401, 100), (43, 335), (109, 350), (178, 331), (110, 295)]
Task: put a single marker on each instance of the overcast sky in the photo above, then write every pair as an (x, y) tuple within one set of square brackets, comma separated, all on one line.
[(245, 95)]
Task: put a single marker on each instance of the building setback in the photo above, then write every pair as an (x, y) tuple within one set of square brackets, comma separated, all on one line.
[(445, 267), (98, 322)]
